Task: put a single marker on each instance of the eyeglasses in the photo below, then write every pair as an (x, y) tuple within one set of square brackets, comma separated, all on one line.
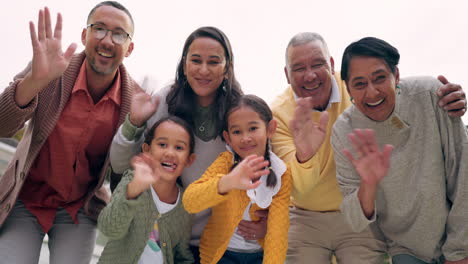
[(118, 36)]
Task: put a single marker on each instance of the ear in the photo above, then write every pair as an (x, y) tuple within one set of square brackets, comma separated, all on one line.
[(83, 36), (286, 73), (226, 137), (145, 147), (397, 75), (332, 65), (129, 50), (190, 159), (271, 129)]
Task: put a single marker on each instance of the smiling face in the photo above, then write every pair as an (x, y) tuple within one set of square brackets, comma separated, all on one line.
[(205, 68), (310, 70), (247, 133), (103, 55), (170, 147), (372, 86)]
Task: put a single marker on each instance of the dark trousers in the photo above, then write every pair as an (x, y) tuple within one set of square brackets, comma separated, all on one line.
[(231, 257)]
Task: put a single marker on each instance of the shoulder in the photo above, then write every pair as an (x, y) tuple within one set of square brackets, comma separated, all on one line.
[(343, 124), (419, 84), (283, 100), (283, 105), (225, 156)]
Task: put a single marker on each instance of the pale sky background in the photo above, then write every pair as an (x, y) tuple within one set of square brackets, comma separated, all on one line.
[(431, 35)]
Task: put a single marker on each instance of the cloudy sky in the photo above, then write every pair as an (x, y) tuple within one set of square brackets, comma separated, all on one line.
[(430, 35)]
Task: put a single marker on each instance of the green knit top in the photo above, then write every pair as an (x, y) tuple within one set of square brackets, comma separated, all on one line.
[(128, 223)]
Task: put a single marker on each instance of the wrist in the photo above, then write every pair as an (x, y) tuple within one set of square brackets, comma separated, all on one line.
[(303, 157), (133, 190), (134, 121), (366, 195), (224, 185)]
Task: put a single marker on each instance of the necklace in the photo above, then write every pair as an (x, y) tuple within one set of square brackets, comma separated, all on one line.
[(201, 128)]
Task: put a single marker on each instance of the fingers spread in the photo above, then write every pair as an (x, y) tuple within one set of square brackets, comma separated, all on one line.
[(48, 23), (41, 26), (58, 27)]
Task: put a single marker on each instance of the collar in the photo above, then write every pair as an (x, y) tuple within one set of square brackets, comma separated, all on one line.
[(335, 96), (81, 84)]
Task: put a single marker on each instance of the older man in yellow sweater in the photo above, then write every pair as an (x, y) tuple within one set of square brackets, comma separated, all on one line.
[(306, 113)]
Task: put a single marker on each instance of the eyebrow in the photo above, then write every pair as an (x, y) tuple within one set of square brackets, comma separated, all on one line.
[(374, 73), (166, 138), (250, 123), (212, 56)]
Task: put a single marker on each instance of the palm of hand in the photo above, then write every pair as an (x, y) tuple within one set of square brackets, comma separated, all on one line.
[(308, 136), (142, 108), (372, 163), (144, 174), (245, 176), (371, 168), (49, 61)]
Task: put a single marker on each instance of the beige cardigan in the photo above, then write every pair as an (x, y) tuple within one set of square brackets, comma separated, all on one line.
[(43, 112)]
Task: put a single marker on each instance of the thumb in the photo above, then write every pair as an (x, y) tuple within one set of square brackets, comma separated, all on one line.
[(324, 120), (70, 51), (155, 101)]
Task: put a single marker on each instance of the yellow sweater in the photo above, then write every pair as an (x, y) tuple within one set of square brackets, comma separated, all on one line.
[(314, 182), (228, 210)]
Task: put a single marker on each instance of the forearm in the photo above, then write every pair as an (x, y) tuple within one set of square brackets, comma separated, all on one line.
[(115, 219), (366, 195), (28, 89), (202, 195), (125, 144)]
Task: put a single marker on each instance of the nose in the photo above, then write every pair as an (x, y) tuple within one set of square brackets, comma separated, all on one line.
[(246, 139), (372, 91), (204, 69), (107, 39), (170, 152), (310, 75)]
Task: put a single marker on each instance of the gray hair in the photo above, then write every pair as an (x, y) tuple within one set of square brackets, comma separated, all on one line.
[(304, 38)]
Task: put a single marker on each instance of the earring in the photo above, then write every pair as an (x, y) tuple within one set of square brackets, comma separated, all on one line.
[(398, 89), (351, 99), (224, 85)]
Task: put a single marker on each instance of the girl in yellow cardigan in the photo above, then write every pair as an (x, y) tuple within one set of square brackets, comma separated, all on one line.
[(246, 178)]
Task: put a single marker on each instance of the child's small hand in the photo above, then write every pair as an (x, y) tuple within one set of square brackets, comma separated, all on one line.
[(245, 176), (145, 175)]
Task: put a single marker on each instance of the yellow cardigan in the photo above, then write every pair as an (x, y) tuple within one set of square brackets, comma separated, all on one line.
[(228, 210)]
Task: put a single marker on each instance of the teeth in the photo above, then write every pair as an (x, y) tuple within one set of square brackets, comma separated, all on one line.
[(312, 88), (104, 54), (168, 165), (376, 103)]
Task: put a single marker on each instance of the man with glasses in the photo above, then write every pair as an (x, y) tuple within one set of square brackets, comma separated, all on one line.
[(74, 104)]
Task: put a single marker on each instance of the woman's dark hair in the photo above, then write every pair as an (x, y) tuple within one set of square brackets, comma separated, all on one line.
[(259, 106), (370, 47), (149, 136), (181, 99)]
